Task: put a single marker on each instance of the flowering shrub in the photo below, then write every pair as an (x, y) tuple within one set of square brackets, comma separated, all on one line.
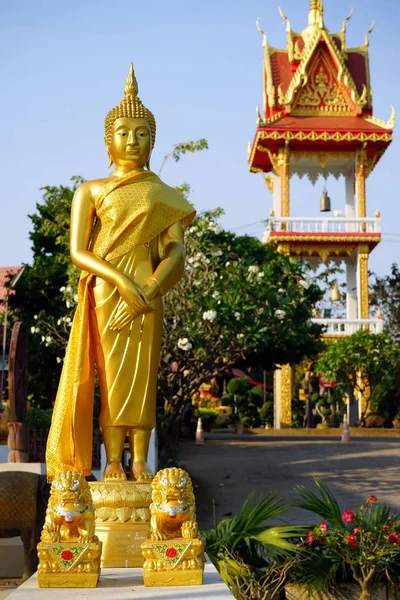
[(364, 543)]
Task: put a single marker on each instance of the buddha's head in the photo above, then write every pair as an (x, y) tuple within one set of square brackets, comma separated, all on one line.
[(130, 129)]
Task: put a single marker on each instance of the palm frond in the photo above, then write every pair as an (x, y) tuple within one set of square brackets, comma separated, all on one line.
[(277, 537), (378, 515), (324, 504)]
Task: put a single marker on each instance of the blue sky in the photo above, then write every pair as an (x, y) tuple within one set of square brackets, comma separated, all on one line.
[(199, 68)]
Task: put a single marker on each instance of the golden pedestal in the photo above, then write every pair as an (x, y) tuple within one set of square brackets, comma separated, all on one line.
[(69, 564), (173, 562), (122, 520)]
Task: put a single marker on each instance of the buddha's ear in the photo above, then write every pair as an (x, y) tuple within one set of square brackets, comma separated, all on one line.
[(110, 160)]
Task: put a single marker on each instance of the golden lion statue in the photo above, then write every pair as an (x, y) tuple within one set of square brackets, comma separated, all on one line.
[(173, 512), (70, 512)]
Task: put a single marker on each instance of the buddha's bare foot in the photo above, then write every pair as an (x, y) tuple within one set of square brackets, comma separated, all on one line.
[(141, 471), (114, 471)]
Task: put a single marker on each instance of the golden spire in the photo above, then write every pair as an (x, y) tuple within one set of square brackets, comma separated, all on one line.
[(315, 16), (131, 84)]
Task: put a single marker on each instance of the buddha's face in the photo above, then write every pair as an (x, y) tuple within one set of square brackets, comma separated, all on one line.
[(131, 142)]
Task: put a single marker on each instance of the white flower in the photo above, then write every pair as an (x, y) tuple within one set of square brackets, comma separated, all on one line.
[(217, 253), (237, 315), (215, 295), (59, 322), (209, 315), (58, 359), (253, 269), (48, 339), (281, 291), (260, 275), (68, 304), (43, 338), (227, 264), (215, 227), (280, 314), (76, 298), (304, 284), (62, 289), (36, 317), (69, 290), (67, 319), (240, 336), (184, 344), (191, 229), (33, 329)]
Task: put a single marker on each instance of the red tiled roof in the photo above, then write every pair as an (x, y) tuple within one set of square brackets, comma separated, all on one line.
[(4, 277), (357, 65), (328, 123)]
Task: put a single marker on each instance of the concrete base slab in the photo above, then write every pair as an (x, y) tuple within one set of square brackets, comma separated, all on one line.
[(120, 584)]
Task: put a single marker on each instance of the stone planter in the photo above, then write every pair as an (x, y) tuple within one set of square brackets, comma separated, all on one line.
[(342, 592)]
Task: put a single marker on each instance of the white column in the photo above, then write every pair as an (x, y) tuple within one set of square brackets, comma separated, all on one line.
[(350, 208), (351, 289), (276, 199)]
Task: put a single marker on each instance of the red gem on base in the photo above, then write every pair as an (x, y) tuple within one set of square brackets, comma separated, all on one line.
[(67, 555), (170, 553)]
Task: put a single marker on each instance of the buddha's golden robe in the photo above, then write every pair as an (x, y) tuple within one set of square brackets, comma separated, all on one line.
[(133, 215)]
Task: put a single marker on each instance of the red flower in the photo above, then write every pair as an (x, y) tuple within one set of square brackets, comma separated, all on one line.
[(386, 527), (310, 539), (67, 555), (372, 499), (356, 530), (352, 541), (323, 526), (393, 538), (170, 552), (348, 516)]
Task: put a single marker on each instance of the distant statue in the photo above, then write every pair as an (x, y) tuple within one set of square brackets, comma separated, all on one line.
[(127, 236)]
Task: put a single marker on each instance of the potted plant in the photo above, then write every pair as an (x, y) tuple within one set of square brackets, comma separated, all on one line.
[(361, 546)]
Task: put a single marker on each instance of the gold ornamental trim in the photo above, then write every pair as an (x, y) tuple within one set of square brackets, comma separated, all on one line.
[(325, 136), (361, 238)]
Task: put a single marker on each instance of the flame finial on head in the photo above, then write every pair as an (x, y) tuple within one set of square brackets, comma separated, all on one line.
[(131, 84), (130, 106)]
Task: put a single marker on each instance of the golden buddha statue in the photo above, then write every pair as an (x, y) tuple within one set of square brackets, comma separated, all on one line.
[(127, 236)]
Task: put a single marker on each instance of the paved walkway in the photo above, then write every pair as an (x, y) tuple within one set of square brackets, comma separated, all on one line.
[(228, 470)]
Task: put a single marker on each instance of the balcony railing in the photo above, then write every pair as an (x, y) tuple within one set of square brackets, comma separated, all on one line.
[(345, 327), (322, 225)]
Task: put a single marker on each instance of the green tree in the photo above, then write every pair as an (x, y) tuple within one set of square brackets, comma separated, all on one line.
[(364, 363), (39, 291), (385, 294), (240, 303)]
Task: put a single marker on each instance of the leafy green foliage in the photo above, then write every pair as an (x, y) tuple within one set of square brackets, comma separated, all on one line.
[(373, 355), (240, 303), (247, 537), (38, 290), (363, 545), (385, 294)]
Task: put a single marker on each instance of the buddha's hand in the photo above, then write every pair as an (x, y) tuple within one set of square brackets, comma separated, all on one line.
[(127, 311)]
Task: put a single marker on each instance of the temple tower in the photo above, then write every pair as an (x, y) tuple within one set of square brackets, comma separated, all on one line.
[(318, 121)]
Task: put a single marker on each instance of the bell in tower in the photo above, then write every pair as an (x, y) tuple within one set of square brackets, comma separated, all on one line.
[(325, 202)]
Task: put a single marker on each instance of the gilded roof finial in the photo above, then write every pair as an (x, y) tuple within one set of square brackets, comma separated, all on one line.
[(262, 33), (344, 26), (392, 120), (284, 18), (131, 84), (366, 43)]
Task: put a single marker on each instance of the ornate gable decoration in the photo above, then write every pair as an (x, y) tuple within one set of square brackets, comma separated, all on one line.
[(323, 93), (317, 41)]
